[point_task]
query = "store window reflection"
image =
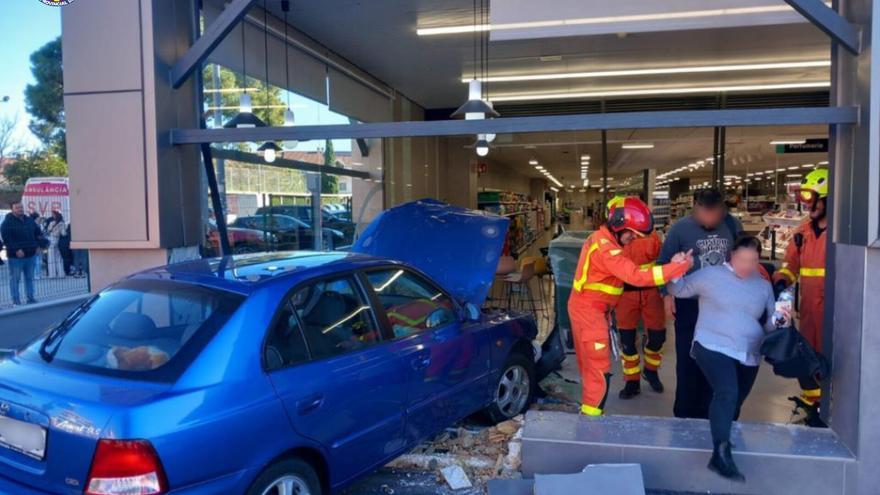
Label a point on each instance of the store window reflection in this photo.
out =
(270, 206)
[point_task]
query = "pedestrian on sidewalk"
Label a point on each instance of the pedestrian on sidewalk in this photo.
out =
(709, 231)
(55, 230)
(22, 237)
(736, 307)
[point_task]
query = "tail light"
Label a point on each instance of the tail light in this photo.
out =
(126, 467)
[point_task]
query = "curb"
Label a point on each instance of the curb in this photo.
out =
(28, 308)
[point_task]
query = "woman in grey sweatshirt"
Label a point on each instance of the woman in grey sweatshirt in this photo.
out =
(736, 308)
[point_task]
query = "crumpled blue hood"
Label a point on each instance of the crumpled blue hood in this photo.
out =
(457, 247)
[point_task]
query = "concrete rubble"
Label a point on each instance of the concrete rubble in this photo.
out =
(481, 454)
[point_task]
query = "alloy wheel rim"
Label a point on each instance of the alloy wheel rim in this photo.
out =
(288, 485)
(513, 391)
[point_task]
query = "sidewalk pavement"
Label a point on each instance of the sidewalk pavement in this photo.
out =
(46, 289)
(21, 325)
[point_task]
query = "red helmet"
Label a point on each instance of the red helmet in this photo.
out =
(631, 214)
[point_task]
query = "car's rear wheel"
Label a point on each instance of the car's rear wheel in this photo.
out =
(287, 477)
(514, 390)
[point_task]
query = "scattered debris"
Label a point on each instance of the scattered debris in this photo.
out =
(620, 479)
(482, 454)
(455, 477)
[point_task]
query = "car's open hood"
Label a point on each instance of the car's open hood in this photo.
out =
(457, 247)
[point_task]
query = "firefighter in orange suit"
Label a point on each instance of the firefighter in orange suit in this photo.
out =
(645, 304)
(601, 271)
(805, 262)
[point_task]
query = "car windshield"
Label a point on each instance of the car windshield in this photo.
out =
(141, 328)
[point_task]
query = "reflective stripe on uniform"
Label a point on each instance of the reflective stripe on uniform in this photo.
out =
(598, 346)
(788, 274)
(812, 272)
(646, 266)
(658, 275)
(651, 360)
(579, 283)
(608, 289)
(631, 358)
(631, 371)
(815, 392)
(615, 252)
(590, 410)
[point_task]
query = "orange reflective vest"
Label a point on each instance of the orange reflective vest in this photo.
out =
(602, 270)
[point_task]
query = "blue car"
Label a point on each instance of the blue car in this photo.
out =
(284, 373)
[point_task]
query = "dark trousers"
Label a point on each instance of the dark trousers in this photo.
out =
(731, 382)
(692, 391)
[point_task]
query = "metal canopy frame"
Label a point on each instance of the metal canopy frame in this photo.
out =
(209, 40)
(583, 122)
(829, 21)
(242, 156)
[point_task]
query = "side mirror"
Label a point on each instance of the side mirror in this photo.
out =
(471, 312)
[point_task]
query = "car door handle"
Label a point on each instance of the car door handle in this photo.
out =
(310, 404)
(421, 362)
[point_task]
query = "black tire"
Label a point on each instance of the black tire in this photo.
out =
(502, 410)
(296, 468)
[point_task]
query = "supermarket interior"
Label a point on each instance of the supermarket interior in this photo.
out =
(549, 183)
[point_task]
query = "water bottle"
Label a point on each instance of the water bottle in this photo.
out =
(785, 303)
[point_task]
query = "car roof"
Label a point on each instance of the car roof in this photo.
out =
(243, 273)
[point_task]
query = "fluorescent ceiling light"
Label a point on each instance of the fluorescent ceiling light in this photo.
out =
(585, 157)
(637, 146)
(793, 168)
(787, 141)
(656, 71)
(533, 162)
(794, 175)
(661, 91)
(539, 167)
(822, 163)
(554, 189)
(662, 16)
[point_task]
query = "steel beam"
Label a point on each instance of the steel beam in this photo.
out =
(829, 21)
(241, 156)
(584, 122)
(208, 41)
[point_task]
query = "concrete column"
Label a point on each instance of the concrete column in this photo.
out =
(134, 197)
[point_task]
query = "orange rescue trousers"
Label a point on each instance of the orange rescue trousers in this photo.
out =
(645, 305)
(594, 359)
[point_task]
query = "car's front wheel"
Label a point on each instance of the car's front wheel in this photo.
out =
(287, 477)
(514, 390)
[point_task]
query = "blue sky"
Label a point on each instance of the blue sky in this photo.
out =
(26, 26)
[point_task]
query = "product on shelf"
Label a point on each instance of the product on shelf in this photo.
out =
(783, 224)
(527, 217)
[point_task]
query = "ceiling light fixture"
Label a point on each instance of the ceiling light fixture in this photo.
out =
(533, 161)
(637, 146)
(663, 91)
(245, 117)
(269, 149)
(787, 141)
(475, 108)
(289, 117)
(482, 146)
(658, 71)
(663, 16)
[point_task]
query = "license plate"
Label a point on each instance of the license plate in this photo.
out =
(26, 438)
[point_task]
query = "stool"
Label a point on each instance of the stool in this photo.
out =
(506, 266)
(521, 280)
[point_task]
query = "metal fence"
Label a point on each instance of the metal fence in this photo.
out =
(74, 280)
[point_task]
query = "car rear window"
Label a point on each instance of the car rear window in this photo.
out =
(142, 328)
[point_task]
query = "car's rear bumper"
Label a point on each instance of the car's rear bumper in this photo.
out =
(232, 483)
(10, 487)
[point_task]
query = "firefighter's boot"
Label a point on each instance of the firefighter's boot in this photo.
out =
(653, 379)
(630, 390)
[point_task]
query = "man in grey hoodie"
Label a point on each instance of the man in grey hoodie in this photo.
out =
(709, 231)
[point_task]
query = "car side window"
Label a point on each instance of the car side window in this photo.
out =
(411, 303)
(285, 344)
(335, 317)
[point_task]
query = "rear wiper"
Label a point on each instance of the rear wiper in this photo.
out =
(56, 335)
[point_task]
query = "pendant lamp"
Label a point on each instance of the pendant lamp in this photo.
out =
(269, 149)
(245, 116)
(289, 117)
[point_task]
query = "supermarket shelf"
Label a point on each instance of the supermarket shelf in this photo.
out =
(526, 246)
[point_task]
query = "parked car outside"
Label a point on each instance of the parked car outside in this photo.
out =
(275, 373)
(305, 213)
(241, 240)
(291, 233)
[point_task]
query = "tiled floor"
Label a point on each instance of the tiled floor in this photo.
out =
(766, 403)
